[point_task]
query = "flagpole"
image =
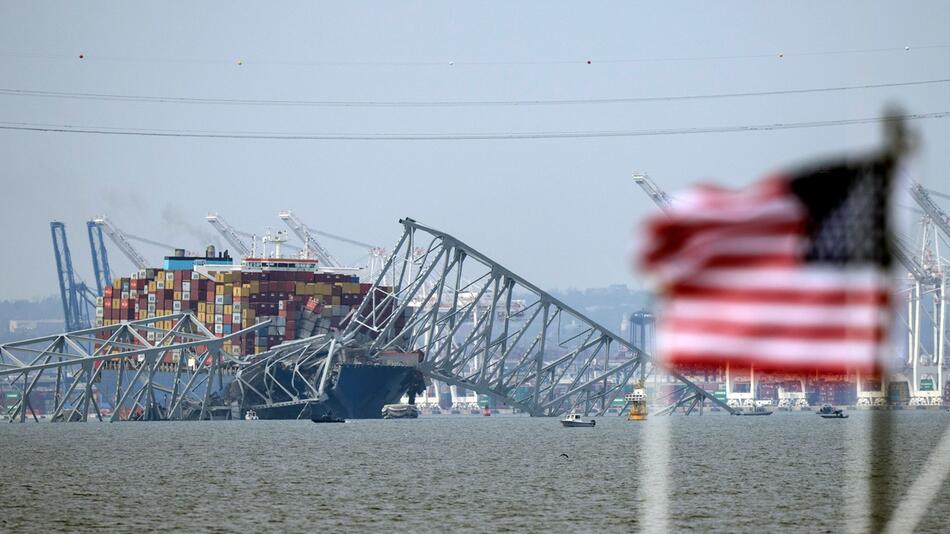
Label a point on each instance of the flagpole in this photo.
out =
(880, 480)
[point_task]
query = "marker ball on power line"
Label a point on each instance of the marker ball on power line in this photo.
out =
(451, 63)
(240, 63)
(588, 62)
(82, 56)
(781, 55)
(906, 48)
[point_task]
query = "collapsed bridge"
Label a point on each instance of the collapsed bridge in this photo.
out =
(474, 323)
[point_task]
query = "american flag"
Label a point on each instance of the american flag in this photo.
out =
(789, 274)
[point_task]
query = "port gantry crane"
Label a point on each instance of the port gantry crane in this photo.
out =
(659, 196)
(230, 234)
(121, 240)
(312, 247)
(100, 257)
(77, 298)
(377, 254)
(934, 221)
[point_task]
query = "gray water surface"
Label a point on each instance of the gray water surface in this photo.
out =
(441, 473)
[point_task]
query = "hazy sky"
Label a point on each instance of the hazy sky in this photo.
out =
(558, 211)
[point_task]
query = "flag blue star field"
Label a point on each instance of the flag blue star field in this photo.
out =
(791, 273)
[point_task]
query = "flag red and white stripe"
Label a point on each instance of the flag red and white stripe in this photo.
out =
(737, 288)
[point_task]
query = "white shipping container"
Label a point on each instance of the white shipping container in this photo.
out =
(99, 311)
(219, 319)
(218, 328)
(176, 306)
(219, 299)
(186, 295)
(160, 284)
(236, 318)
(151, 298)
(186, 286)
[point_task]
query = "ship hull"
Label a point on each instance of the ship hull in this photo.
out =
(360, 392)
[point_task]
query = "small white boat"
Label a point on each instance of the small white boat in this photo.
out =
(575, 420)
(251, 415)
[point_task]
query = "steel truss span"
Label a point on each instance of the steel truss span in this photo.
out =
(85, 370)
(482, 327)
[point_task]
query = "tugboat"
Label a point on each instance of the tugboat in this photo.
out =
(828, 412)
(574, 420)
(326, 417)
(638, 403)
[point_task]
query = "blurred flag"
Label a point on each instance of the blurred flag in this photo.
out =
(791, 273)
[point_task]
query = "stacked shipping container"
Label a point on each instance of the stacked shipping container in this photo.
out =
(298, 303)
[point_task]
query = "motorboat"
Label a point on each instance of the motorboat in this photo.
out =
(575, 420)
(829, 412)
(326, 417)
(757, 410)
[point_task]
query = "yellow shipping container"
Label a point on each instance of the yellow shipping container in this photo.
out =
(336, 301)
(219, 290)
(117, 284)
(176, 295)
(227, 309)
(116, 304)
(255, 287)
(323, 288)
(236, 291)
(350, 287)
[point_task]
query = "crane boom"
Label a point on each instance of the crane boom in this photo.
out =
(229, 233)
(314, 248)
(660, 198)
(937, 215)
(121, 241)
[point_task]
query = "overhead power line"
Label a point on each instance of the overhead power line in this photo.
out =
(240, 62)
(100, 130)
(448, 103)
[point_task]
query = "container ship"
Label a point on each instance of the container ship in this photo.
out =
(298, 298)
